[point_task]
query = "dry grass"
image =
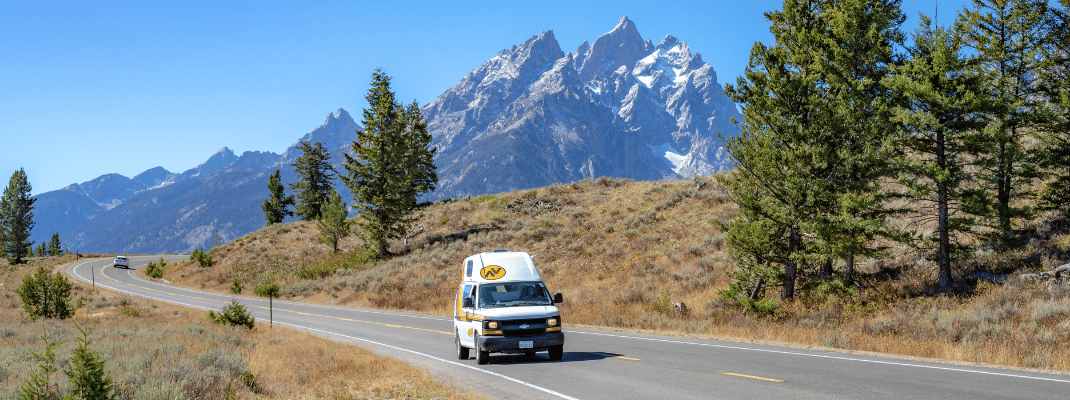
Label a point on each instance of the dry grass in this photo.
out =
(623, 251)
(160, 351)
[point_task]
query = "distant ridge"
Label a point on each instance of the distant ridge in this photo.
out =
(158, 211)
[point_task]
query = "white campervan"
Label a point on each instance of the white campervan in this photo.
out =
(504, 307)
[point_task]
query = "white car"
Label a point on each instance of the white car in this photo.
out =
(120, 261)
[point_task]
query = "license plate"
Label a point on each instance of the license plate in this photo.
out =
(526, 344)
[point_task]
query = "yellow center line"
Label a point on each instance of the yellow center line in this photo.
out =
(294, 312)
(753, 377)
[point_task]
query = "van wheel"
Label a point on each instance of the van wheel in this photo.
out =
(556, 352)
(462, 352)
(482, 356)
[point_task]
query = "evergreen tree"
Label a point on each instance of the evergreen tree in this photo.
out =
(46, 295)
(943, 115)
(16, 217)
(784, 169)
(88, 379)
(277, 206)
(40, 250)
(1008, 37)
(392, 167)
(1054, 79)
(54, 246)
(857, 51)
(332, 224)
(42, 384)
(316, 173)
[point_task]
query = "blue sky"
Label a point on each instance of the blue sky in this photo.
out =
(96, 87)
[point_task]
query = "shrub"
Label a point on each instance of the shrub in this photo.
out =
(250, 382)
(46, 295)
(130, 312)
(236, 286)
(203, 258)
(233, 314)
(154, 270)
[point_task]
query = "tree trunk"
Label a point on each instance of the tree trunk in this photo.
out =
(849, 270)
(787, 291)
(826, 268)
(943, 253)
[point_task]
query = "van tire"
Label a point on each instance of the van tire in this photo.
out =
(482, 356)
(462, 352)
(556, 352)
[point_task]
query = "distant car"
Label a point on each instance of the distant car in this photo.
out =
(121, 261)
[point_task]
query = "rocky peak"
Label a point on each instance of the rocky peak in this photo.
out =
(216, 162)
(622, 46)
(338, 117)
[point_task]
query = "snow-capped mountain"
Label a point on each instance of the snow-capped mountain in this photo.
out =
(624, 107)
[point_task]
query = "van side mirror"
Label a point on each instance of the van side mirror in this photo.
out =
(558, 298)
(467, 303)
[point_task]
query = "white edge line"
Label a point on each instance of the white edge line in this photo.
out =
(533, 386)
(826, 356)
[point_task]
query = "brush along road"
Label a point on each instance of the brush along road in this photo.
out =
(603, 364)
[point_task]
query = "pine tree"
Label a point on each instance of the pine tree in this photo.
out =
(314, 184)
(856, 54)
(783, 166)
(54, 246)
(40, 250)
(392, 167)
(1054, 79)
(16, 210)
(88, 379)
(277, 206)
(332, 224)
(42, 384)
(1008, 36)
(46, 295)
(943, 114)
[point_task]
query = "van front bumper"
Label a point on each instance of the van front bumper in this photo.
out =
(538, 342)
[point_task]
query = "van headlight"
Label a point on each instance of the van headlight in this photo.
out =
(553, 324)
(491, 328)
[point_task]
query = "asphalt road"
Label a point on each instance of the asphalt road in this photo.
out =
(603, 364)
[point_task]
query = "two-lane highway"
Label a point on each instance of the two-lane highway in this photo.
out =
(600, 364)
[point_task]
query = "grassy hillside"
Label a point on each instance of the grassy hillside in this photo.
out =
(623, 252)
(155, 350)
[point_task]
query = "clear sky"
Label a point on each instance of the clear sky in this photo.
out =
(96, 87)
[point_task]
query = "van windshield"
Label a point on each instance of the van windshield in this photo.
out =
(511, 294)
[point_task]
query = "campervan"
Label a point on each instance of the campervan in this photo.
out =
(503, 306)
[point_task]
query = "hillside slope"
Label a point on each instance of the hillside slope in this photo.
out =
(624, 252)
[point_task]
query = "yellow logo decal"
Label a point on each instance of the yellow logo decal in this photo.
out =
(492, 272)
(470, 331)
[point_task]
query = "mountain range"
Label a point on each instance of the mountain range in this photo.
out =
(530, 116)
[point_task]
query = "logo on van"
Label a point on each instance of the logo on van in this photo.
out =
(492, 272)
